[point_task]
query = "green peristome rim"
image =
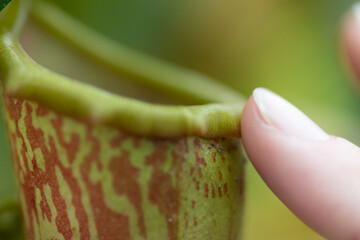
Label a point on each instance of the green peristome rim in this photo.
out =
(23, 78)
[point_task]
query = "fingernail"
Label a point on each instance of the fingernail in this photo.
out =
(279, 113)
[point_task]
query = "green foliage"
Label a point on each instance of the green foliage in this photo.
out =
(4, 3)
(10, 219)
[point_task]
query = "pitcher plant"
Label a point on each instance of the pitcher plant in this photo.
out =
(159, 161)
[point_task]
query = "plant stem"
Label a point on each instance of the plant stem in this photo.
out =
(183, 84)
(14, 16)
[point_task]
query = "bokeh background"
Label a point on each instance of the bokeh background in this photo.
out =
(289, 46)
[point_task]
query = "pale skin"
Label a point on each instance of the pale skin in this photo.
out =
(316, 175)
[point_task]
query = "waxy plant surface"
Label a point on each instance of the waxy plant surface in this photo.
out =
(89, 181)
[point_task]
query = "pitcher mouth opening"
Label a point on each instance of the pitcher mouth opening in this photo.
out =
(216, 112)
(59, 57)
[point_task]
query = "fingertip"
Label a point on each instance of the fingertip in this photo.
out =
(350, 41)
(317, 176)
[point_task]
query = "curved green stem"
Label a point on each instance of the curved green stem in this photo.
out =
(178, 82)
(14, 16)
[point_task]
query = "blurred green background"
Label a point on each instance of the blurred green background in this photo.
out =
(288, 46)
